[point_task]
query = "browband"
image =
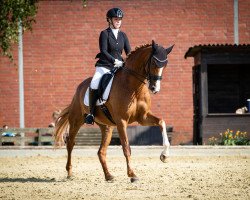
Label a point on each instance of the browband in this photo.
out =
(159, 59)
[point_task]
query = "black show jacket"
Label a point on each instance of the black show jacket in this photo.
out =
(111, 48)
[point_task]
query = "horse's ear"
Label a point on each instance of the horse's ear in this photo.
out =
(169, 49)
(153, 45)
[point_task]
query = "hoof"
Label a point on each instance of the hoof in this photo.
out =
(69, 177)
(164, 158)
(110, 178)
(134, 179)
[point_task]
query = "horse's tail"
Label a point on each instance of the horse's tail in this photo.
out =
(62, 123)
(61, 127)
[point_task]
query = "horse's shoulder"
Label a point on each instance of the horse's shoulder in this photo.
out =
(143, 94)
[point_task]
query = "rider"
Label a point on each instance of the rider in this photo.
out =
(112, 41)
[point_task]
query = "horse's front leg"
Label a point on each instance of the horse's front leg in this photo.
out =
(151, 120)
(106, 138)
(121, 127)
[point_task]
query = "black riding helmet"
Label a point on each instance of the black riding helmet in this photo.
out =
(114, 12)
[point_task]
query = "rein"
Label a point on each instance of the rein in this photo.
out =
(135, 74)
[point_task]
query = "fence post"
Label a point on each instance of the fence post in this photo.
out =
(1, 132)
(22, 143)
(40, 133)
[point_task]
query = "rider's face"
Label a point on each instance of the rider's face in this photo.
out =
(117, 22)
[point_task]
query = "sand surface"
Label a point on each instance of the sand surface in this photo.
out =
(186, 176)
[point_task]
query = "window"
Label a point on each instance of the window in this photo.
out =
(228, 87)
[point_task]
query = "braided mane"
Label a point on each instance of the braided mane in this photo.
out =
(138, 48)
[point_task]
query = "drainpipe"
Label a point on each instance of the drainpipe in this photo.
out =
(20, 73)
(236, 23)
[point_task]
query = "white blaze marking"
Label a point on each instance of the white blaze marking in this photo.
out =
(158, 82)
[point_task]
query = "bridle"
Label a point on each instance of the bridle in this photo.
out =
(152, 77)
(149, 77)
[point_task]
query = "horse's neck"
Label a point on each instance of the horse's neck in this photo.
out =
(135, 77)
(138, 61)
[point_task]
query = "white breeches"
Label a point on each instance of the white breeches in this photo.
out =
(99, 71)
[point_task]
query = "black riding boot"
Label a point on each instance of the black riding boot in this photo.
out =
(93, 96)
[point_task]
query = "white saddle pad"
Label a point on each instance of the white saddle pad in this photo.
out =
(104, 96)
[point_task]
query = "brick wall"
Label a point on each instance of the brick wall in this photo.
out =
(60, 53)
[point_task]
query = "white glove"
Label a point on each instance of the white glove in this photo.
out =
(118, 63)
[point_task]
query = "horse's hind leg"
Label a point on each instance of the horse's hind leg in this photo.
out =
(70, 142)
(106, 138)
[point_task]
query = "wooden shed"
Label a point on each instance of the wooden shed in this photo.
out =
(221, 85)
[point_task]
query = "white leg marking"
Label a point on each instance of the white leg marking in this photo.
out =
(166, 143)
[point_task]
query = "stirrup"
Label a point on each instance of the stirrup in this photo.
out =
(89, 119)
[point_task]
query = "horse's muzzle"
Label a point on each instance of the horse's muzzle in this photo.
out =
(154, 89)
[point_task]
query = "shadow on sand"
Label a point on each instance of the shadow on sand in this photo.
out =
(25, 180)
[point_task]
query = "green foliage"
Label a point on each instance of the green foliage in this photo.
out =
(11, 11)
(230, 138)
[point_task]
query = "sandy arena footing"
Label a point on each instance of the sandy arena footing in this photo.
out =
(192, 172)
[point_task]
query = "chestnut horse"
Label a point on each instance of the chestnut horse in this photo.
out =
(129, 101)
